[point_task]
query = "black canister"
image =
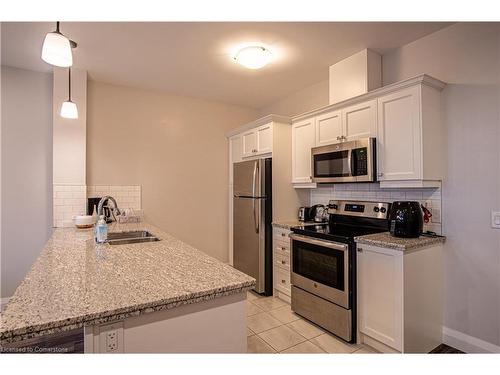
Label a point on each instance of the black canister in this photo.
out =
(406, 219)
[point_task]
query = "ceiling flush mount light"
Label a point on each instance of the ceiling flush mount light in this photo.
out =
(56, 49)
(68, 108)
(253, 57)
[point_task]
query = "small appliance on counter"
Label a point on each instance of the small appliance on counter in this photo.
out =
(93, 203)
(406, 219)
(305, 214)
(319, 213)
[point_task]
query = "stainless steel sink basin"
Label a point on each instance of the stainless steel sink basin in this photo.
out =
(136, 236)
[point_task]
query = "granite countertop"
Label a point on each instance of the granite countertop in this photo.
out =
(75, 283)
(294, 223)
(385, 239)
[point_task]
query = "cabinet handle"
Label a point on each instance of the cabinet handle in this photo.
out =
(360, 249)
(380, 174)
(338, 138)
(283, 262)
(283, 281)
(282, 234)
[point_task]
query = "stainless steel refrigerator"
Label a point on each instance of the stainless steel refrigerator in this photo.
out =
(252, 216)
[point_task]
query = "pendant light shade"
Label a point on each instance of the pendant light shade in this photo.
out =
(69, 109)
(56, 49)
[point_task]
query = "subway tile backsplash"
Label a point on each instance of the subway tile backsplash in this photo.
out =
(429, 197)
(127, 196)
(71, 200)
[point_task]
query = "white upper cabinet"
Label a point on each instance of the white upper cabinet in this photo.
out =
(328, 128)
(303, 139)
(359, 121)
(410, 137)
(235, 145)
(249, 143)
(348, 124)
(400, 136)
(258, 141)
(264, 139)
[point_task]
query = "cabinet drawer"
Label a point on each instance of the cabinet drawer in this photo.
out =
(282, 261)
(281, 234)
(282, 248)
(282, 280)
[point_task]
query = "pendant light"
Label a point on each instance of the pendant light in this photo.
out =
(56, 49)
(68, 108)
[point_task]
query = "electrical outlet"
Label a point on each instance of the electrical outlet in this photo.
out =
(111, 338)
(436, 215)
(111, 341)
(495, 219)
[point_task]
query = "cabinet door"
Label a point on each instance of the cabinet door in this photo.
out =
(399, 136)
(249, 143)
(235, 147)
(235, 154)
(303, 136)
(265, 139)
(328, 128)
(360, 121)
(380, 294)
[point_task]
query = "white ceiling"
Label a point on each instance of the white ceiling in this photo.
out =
(194, 59)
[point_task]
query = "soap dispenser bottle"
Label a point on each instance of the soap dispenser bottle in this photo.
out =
(101, 230)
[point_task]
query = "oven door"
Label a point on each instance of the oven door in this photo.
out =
(321, 267)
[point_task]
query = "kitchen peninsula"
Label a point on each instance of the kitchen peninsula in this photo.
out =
(156, 297)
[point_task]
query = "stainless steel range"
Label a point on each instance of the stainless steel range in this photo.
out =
(323, 264)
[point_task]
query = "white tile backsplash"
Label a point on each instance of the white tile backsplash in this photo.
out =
(429, 197)
(71, 200)
(68, 201)
(127, 196)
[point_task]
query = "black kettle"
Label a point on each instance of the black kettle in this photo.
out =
(406, 219)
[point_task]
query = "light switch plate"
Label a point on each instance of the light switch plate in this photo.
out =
(495, 219)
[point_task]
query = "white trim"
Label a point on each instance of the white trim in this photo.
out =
(466, 343)
(423, 79)
(403, 184)
(261, 121)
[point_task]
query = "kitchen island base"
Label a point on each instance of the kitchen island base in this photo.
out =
(213, 326)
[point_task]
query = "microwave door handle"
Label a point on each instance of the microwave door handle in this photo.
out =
(349, 162)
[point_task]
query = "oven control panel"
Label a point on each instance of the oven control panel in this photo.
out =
(377, 210)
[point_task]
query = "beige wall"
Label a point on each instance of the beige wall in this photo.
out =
(307, 99)
(26, 155)
(176, 148)
(69, 145)
(467, 57)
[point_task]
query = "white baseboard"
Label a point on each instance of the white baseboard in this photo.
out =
(466, 343)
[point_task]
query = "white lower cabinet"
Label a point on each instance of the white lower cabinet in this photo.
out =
(399, 298)
(380, 294)
(281, 260)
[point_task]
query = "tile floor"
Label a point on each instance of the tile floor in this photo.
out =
(272, 327)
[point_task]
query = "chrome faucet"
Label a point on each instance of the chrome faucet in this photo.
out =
(104, 200)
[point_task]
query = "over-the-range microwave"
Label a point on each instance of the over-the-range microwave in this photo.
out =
(353, 161)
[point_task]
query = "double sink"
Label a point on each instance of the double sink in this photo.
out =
(135, 236)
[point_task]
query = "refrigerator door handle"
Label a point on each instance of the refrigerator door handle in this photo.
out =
(254, 182)
(254, 188)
